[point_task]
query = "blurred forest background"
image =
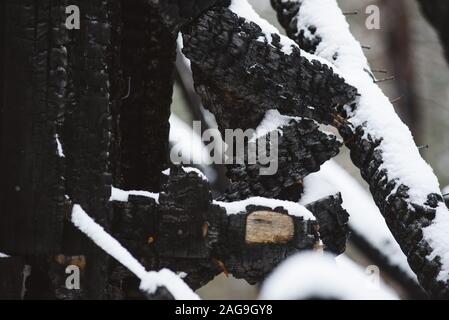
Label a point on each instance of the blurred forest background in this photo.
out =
(407, 47)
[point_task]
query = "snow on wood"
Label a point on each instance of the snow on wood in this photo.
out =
(293, 208)
(59, 146)
(403, 184)
(122, 195)
(150, 280)
(313, 275)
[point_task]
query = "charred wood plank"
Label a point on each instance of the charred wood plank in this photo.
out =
(33, 83)
(148, 60)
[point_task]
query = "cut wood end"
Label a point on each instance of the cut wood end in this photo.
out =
(269, 227)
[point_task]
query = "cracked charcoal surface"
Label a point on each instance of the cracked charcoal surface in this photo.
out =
(436, 12)
(239, 78)
(404, 218)
(144, 113)
(333, 222)
(33, 77)
(302, 149)
(87, 137)
(287, 12)
(176, 13)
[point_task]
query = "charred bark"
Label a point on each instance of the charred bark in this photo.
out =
(87, 138)
(13, 273)
(148, 61)
(239, 78)
(333, 222)
(176, 13)
(302, 148)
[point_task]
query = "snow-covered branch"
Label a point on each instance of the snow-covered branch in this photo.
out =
(369, 232)
(403, 185)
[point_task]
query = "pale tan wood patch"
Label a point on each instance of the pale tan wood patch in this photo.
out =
(269, 227)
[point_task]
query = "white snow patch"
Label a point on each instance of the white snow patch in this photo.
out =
(178, 288)
(2, 255)
(122, 195)
(192, 148)
(364, 216)
(402, 159)
(189, 169)
(272, 121)
(293, 208)
(313, 275)
(59, 147)
(150, 280)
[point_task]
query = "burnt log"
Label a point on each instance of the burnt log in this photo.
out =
(239, 76)
(189, 232)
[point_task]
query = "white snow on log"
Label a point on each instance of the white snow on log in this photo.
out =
(293, 208)
(150, 280)
(122, 195)
(59, 147)
(197, 171)
(243, 9)
(401, 156)
(2, 255)
(187, 170)
(364, 216)
(314, 275)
